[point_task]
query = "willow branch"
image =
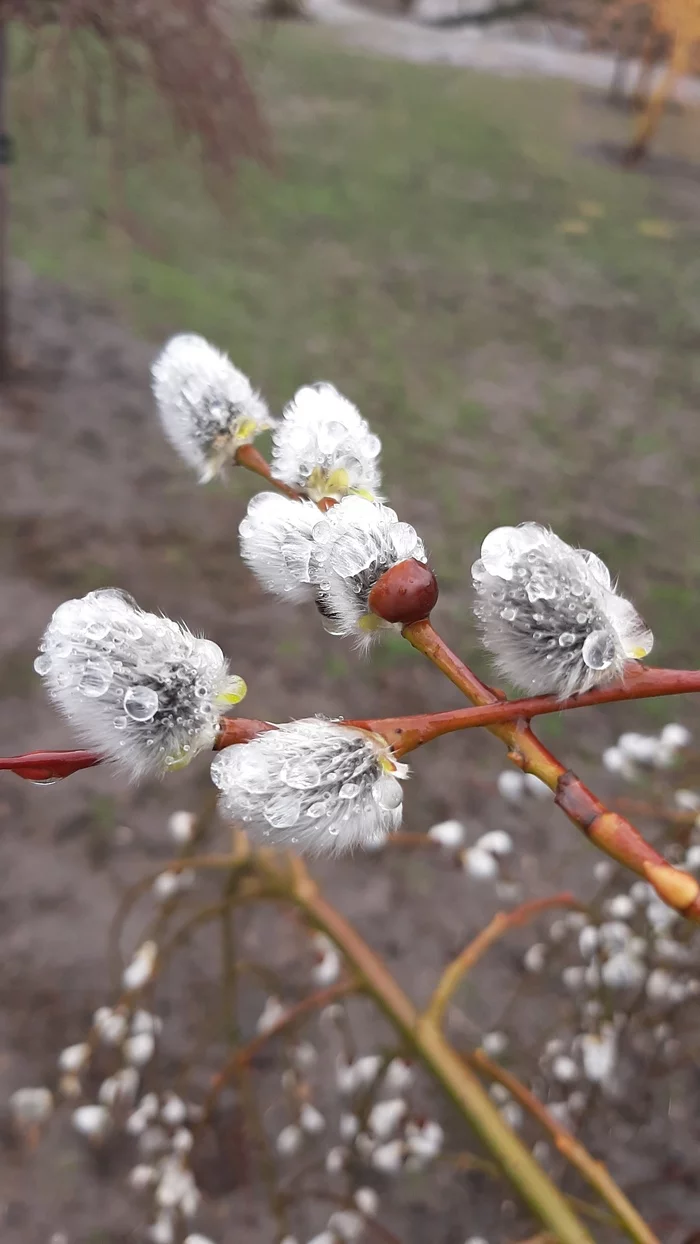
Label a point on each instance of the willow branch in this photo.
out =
(595, 1173)
(249, 457)
(461, 1085)
(607, 830)
(463, 963)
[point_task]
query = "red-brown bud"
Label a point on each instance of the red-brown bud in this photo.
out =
(406, 593)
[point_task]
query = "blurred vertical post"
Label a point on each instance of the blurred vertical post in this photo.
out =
(4, 206)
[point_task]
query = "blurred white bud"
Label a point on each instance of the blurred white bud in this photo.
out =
(367, 1200)
(659, 984)
(311, 1119)
(347, 1224)
(535, 957)
(447, 833)
(142, 690)
(325, 1237)
(140, 971)
(146, 1021)
(676, 736)
(110, 1025)
(574, 977)
(173, 881)
(558, 931)
(639, 748)
(173, 1111)
(183, 1140)
(289, 1140)
(603, 870)
(385, 1116)
(270, 1016)
(162, 1230)
(481, 865)
(181, 826)
(92, 1121)
(511, 785)
(692, 858)
(121, 1087)
(550, 613)
(74, 1057)
(139, 1050)
(389, 1157)
(588, 941)
(327, 970)
(316, 785)
(424, 1140)
(304, 1056)
(31, 1107)
(494, 1044)
(599, 1054)
(623, 971)
(499, 1093)
(348, 1126)
(142, 1176)
(207, 407)
(324, 448)
(204, 1239)
(687, 800)
(399, 1075)
(177, 1188)
(497, 841)
(621, 907)
(565, 1069)
(366, 1069)
(336, 1159)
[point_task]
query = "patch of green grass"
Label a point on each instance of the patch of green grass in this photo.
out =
(409, 249)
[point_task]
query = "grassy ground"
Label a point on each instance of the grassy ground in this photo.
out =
(415, 247)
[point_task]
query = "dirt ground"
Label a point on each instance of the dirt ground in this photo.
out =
(91, 495)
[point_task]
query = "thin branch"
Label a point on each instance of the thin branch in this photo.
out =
(526, 1175)
(595, 1173)
(501, 924)
(607, 830)
(246, 1053)
(249, 457)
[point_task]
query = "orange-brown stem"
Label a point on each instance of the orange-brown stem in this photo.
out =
(501, 923)
(595, 1173)
(249, 457)
(607, 830)
(639, 683)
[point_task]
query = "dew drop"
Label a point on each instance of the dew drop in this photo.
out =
(598, 650)
(387, 792)
(96, 678)
(509, 614)
(119, 723)
(43, 664)
(301, 775)
(349, 790)
(141, 703)
(566, 639)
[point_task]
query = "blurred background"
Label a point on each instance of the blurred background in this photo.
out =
(439, 208)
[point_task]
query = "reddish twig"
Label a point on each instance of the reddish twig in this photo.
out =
(607, 830)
